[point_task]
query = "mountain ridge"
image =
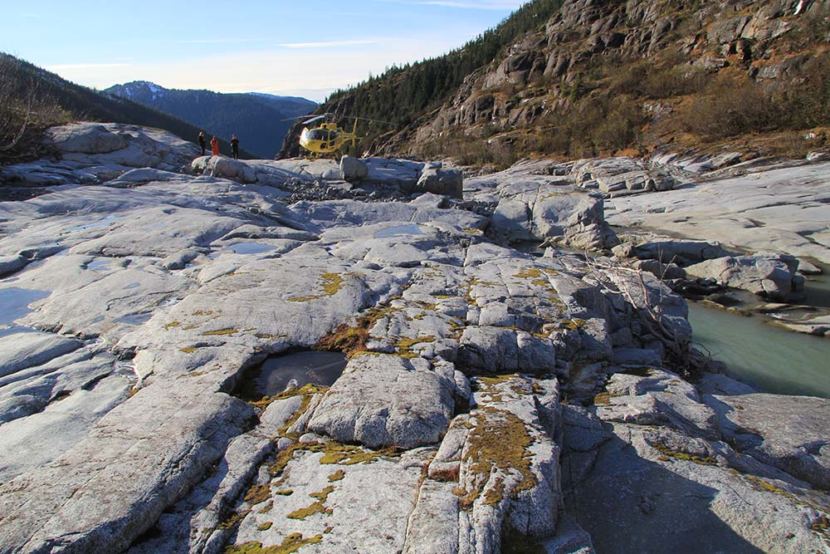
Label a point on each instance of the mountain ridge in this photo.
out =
(259, 119)
(53, 100)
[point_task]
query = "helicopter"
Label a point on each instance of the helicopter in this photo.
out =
(327, 137)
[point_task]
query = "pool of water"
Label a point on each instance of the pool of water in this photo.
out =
(277, 372)
(408, 230)
(99, 264)
(251, 248)
(101, 223)
(772, 359)
(14, 303)
(135, 319)
(817, 289)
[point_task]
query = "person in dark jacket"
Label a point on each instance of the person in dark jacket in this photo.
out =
(235, 146)
(202, 141)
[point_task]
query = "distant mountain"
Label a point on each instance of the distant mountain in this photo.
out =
(51, 100)
(258, 119)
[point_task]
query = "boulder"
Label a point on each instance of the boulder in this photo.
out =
(383, 400)
(448, 182)
(227, 168)
(620, 176)
(86, 138)
(353, 169)
(679, 251)
(666, 271)
(772, 276)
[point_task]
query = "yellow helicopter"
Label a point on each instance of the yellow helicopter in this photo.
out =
(327, 138)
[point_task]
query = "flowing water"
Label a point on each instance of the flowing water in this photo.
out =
(772, 359)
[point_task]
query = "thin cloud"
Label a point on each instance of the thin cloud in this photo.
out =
(328, 44)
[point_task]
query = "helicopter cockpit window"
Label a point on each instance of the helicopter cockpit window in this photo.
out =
(317, 134)
(332, 135)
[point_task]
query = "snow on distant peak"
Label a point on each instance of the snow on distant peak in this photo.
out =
(140, 88)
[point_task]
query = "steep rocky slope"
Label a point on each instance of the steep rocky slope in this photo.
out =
(491, 398)
(602, 77)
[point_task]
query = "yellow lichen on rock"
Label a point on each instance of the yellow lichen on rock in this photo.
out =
(220, 332)
(258, 494)
(318, 507)
(498, 441)
(331, 283)
(405, 344)
(292, 543)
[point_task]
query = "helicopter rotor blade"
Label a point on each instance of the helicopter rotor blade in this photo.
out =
(298, 117)
(313, 119)
(312, 115)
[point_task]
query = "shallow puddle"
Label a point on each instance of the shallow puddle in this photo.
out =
(277, 372)
(14, 303)
(251, 248)
(99, 224)
(772, 359)
(135, 319)
(408, 230)
(99, 264)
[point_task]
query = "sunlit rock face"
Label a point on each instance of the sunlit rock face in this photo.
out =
(487, 396)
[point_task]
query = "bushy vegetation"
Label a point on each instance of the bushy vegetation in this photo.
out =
(25, 110)
(731, 105)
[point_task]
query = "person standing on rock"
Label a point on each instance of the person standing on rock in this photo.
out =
(235, 146)
(214, 146)
(202, 141)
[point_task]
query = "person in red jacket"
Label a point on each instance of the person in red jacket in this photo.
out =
(214, 146)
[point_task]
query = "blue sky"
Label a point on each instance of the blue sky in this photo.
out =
(307, 48)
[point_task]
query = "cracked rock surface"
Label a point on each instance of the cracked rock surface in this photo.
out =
(491, 397)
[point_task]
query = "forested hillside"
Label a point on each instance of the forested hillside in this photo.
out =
(581, 78)
(400, 95)
(32, 99)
